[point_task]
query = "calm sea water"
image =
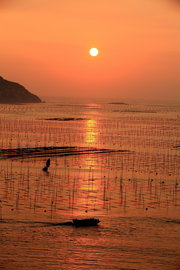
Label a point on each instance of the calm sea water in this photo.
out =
(120, 163)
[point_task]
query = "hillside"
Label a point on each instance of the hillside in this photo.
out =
(11, 92)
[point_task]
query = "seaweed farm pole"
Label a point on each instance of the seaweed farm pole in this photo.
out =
(1, 210)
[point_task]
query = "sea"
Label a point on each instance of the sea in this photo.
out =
(118, 162)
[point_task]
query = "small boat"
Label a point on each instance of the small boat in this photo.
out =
(85, 222)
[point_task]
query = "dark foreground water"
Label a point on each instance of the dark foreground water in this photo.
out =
(119, 243)
(116, 162)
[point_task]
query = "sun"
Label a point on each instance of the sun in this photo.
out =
(93, 52)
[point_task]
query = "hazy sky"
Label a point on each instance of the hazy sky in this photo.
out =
(44, 46)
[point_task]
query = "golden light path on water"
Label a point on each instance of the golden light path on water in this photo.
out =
(91, 129)
(89, 185)
(91, 132)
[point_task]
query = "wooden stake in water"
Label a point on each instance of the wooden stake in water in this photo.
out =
(1, 210)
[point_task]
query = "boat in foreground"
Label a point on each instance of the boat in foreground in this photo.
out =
(85, 222)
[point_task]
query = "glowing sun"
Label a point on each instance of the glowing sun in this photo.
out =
(93, 52)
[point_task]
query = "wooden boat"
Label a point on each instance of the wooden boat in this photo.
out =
(85, 222)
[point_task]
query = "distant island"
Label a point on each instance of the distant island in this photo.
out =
(118, 103)
(11, 92)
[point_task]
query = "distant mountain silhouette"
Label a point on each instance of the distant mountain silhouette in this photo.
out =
(11, 92)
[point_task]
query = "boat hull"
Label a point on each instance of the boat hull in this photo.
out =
(86, 222)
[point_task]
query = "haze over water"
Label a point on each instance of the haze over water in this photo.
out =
(115, 162)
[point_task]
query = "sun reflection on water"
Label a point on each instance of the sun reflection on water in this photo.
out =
(91, 132)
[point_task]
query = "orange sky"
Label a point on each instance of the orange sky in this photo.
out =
(44, 46)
